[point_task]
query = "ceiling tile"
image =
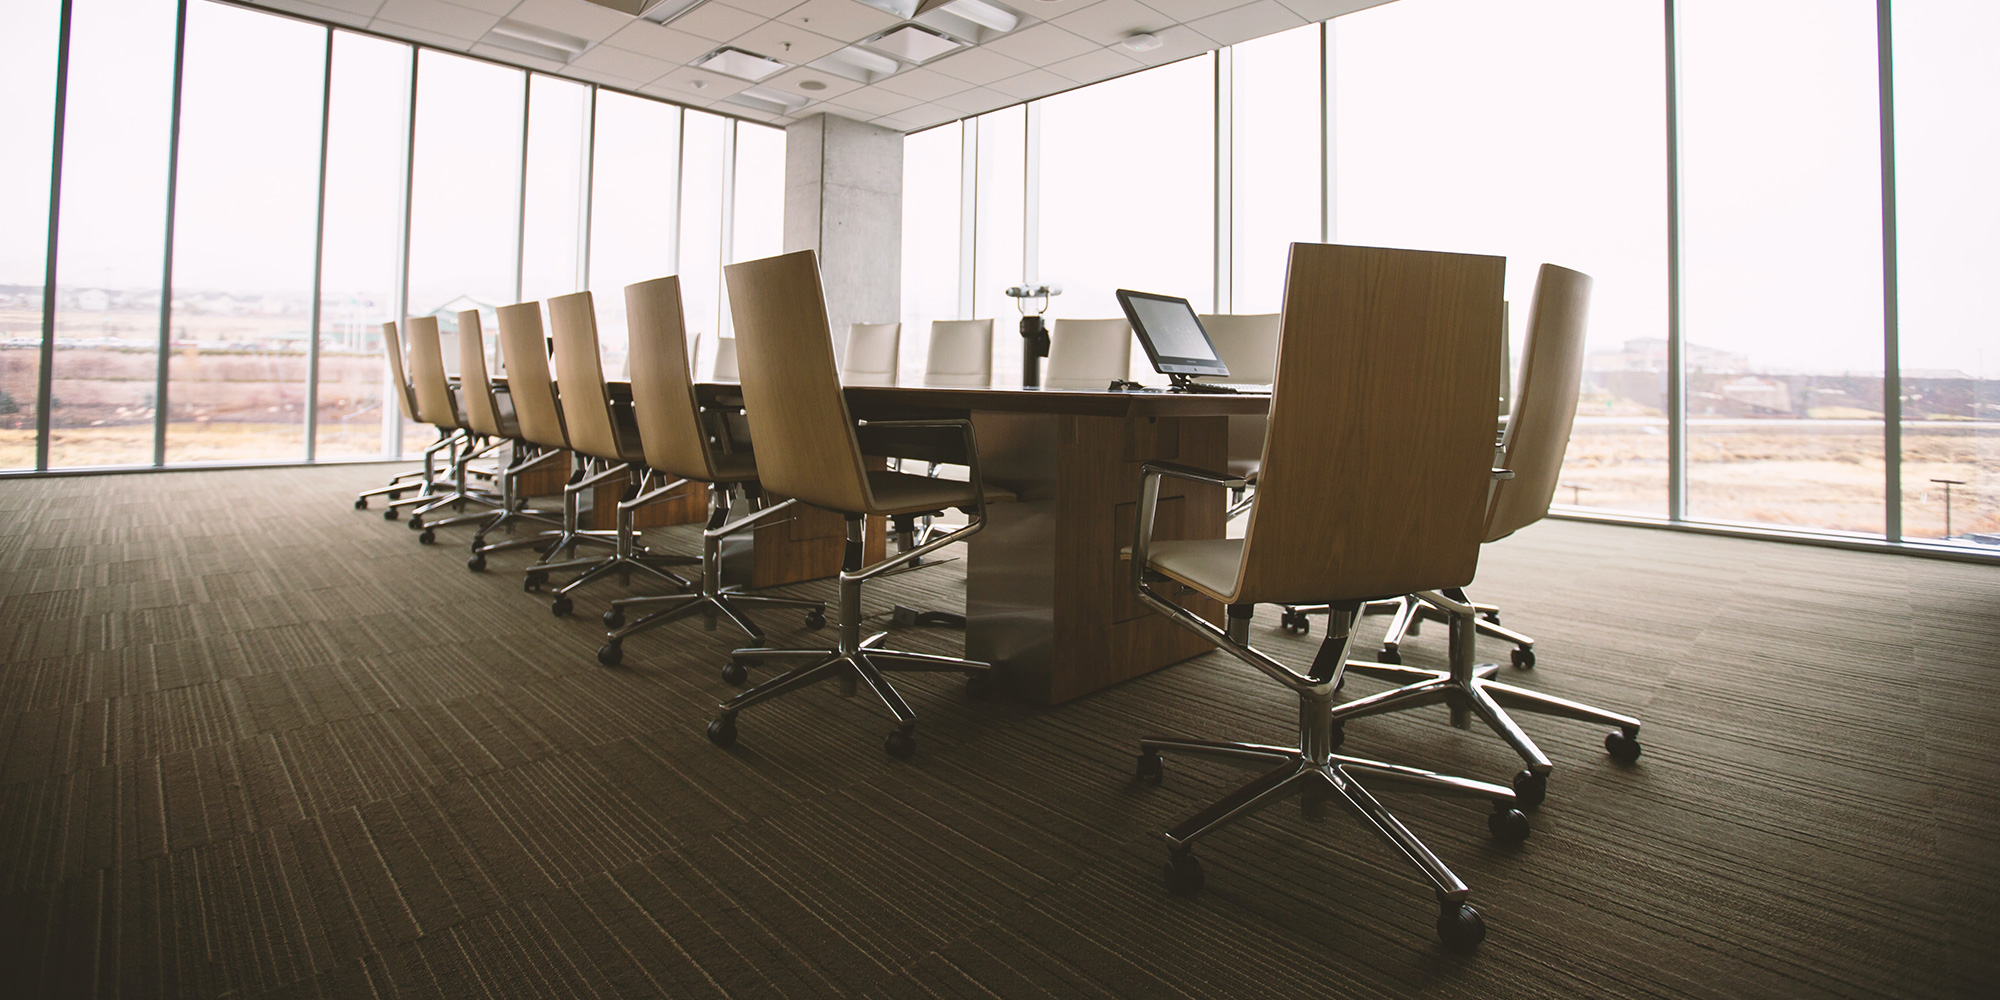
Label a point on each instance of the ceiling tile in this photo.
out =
(785, 43)
(368, 7)
(572, 17)
(833, 86)
(842, 110)
(513, 58)
(489, 6)
(980, 65)
(768, 8)
(1189, 10)
(589, 75)
(647, 38)
(436, 15)
(717, 21)
(1177, 42)
(1320, 10)
(976, 100)
(681, 84)
(1032, 84)
(924, 84)
(921, 116)
(848, 20)
(1111, 20)
(1039, 46)
(1252, 20)
(1094, 66)
(622, 63)
(1049, 10)
(876, 101)
(422, 36)
(340, 13)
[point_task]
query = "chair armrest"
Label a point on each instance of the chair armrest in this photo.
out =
(1190, 472)
(967, 452)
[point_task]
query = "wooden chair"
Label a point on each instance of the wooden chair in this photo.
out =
(605, 439)
(870, 358)
(438, 404)
(1374, 482)
(1537, 434)
(490, 413)
(1088, 353)
(960, 353)
(1248, 344)
(426, 477)
(678, 444)
(807, 450)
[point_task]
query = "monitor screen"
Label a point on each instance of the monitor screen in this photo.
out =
(1172, 335)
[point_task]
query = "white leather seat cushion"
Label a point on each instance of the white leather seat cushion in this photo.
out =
(1208, 565)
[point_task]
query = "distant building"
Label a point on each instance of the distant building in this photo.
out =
(1649, 354)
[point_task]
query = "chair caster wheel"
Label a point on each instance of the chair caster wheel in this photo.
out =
(1336, 736)
(395, 495)
(1460, 927)
(1524, 658)
(611, 653)
(979, 685)
(477, 563)
(560, 607)
(532, 583)
(722, 732)
(1530, 789)
(1152, 768)
(389, 515)
(1389, 655)
(735, 673)
(360, 503)
(1183, 874)
(429, 537)
(1294, 623)
(900, 744)
(1624, 746)
(816, 619)
(1492, 617)
(478, 542)
(415, 523)
(614, 618)
(1507, 824)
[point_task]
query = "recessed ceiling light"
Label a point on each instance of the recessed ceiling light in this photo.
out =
(740, 64)
(812, 84)
(984, 14)
(914, 44)
(535, 40)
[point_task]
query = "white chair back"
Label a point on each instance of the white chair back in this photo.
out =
(871, 354)
(960, 354)
(1247, 343)
(1088, 353)
(725, 359)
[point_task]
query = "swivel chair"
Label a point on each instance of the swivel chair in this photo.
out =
(870, 358)
(1088, 353)
(960, 353)
(1375, 475)
(426, 476)
(807, 450)
(677, 444)
(438, 404)
(490, 413)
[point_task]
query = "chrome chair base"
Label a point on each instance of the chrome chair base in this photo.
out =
(627, 556)
(1408, 614)
(712, 601)
(1468, 689)
(426, 481)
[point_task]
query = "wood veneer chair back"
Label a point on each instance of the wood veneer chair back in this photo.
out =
(392, 347)
(1545, 407)
(586, 403)
(1375, 473)
(663, 395)
(960, 353)
(526, 354)
(871, 356)
(427, 377)
(475, 389)
(1088, 353)
(791, 386)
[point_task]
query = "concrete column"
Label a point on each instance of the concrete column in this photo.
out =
(844, 199)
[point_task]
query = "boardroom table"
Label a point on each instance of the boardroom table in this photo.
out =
(1048, 598)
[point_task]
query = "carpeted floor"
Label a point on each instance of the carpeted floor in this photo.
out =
(256, 743)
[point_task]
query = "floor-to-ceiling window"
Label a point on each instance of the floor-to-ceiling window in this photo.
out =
(635, 176)
(555, 189)
(999, 207)
(28, 77)
(1276, 190)
(932, 177)
(704, 160)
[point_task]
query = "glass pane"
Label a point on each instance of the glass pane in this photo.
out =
(1947, 210)
(759, 215)
(28, 78)
(1781, 200)
(1534, 130)
(702, 165)
(997, 236)
(113, 231)
(245, 213)
(367, 130)
(1101, 160)
(631, 205)
(558, 156)
(932, 176)
(1275, 164)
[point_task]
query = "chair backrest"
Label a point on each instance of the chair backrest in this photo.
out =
(725, 359)
(586, 403)
(526, 353)
(871, 356)
(1375, 473)
(1088, 353)
(791, 387)
(663, 396)
(1247, 343)
(475, 390)
(961, 353)
(427, 377)
(1545, 408)
(392, 347)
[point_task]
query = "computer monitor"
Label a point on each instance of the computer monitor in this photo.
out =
(1171, 334)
